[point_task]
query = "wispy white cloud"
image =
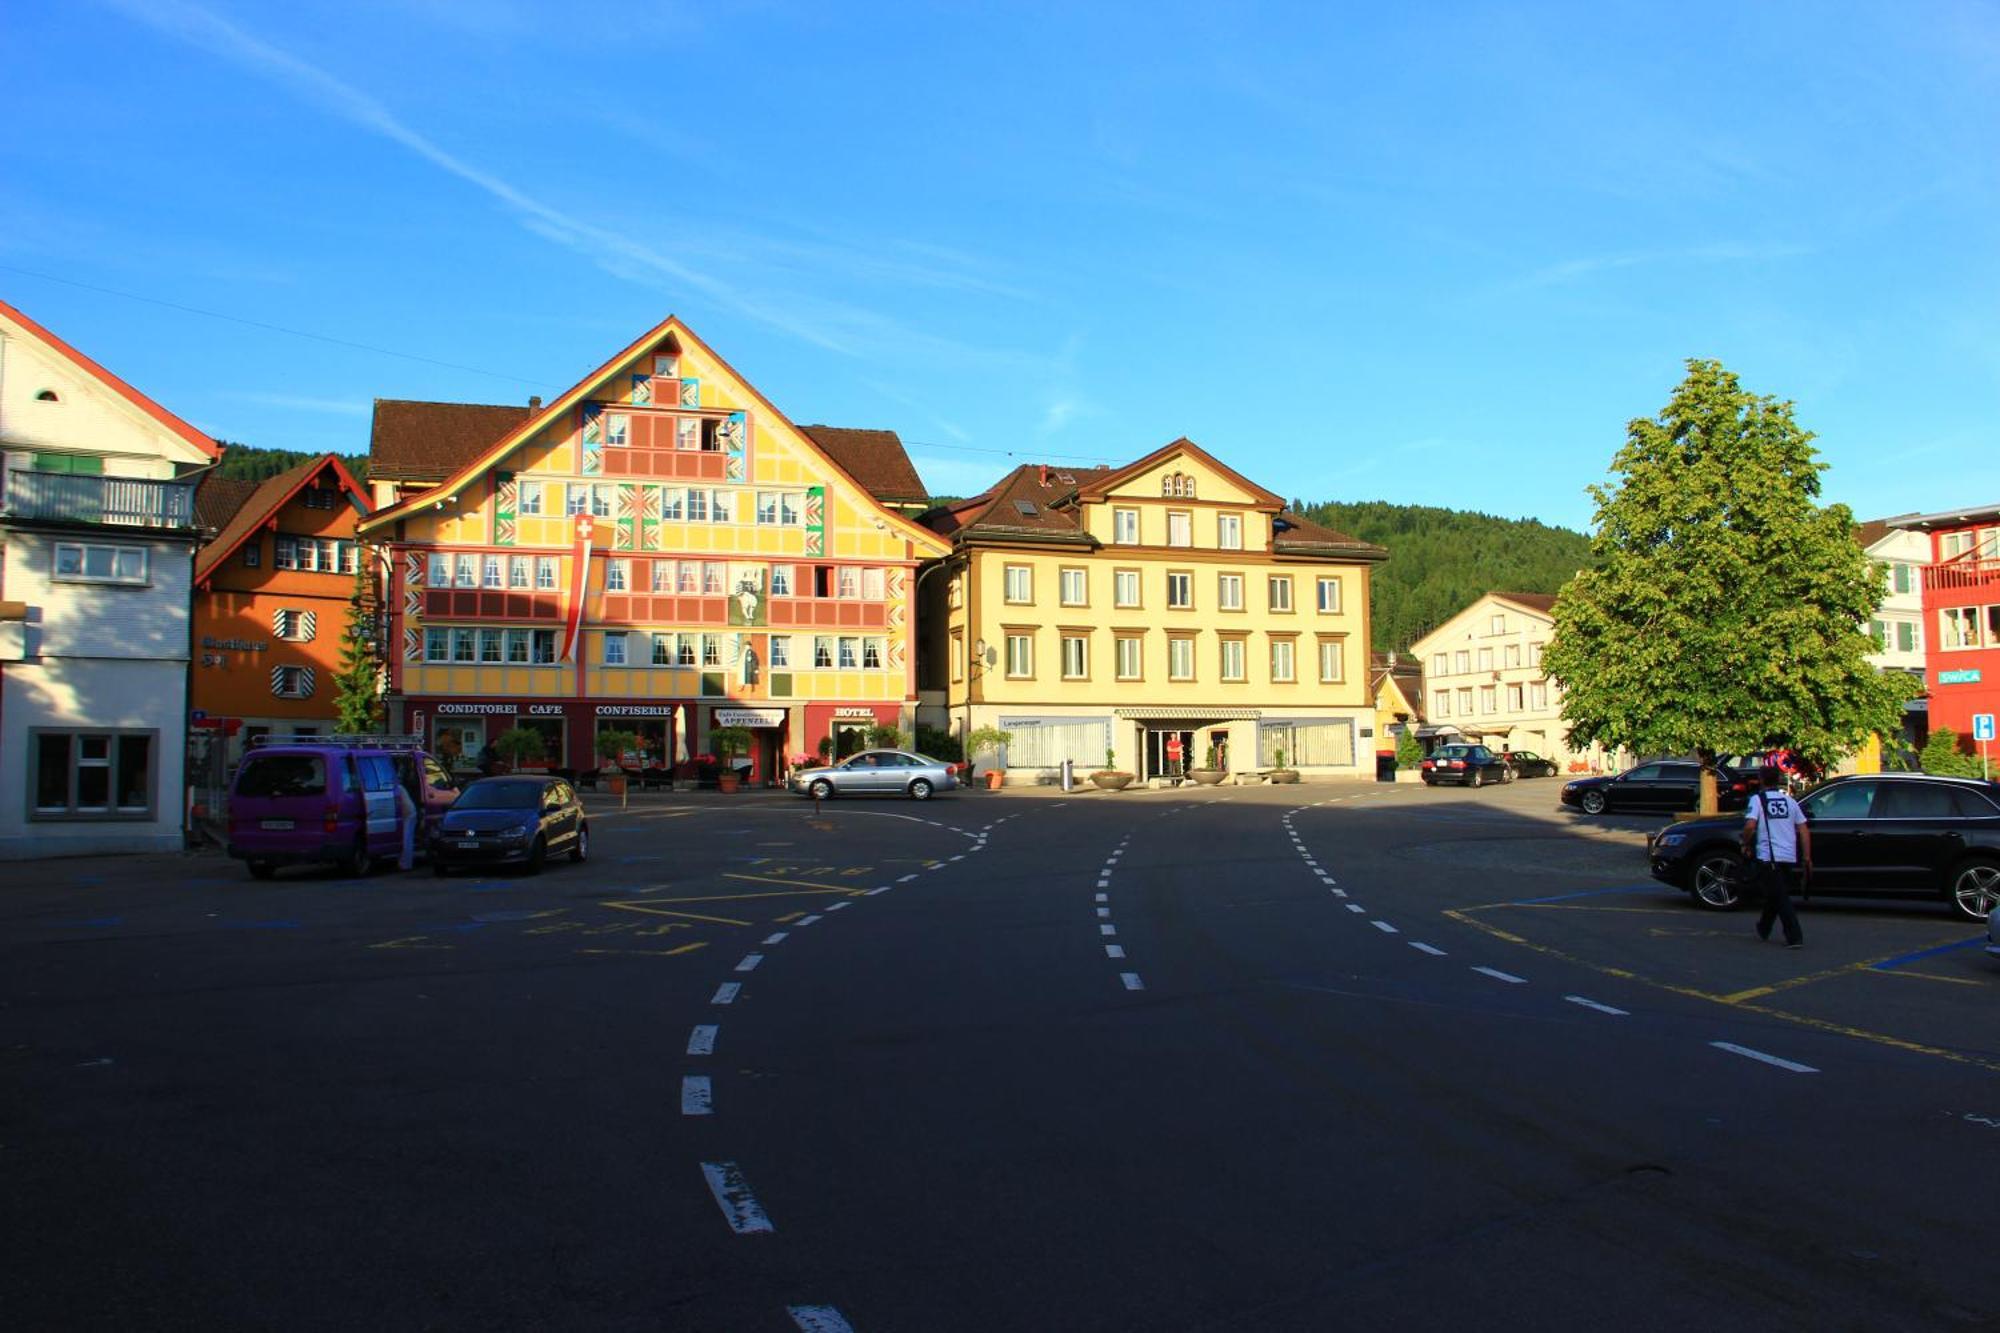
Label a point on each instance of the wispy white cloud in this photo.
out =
(299, 403)
(1570, 271)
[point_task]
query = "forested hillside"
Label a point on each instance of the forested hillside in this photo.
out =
(1440, 559)
(240, 460)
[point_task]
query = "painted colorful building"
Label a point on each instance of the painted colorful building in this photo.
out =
(97, 535)
(1961, 600)
(657, 551)
(272, 590)
(1159, 611)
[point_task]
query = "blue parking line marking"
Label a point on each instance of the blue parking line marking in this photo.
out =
(1890, 963)
(1589, 893)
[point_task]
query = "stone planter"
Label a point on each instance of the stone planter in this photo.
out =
(1208, 777)
(996, 778)
(1284, 775)
(1111, 780)
(1410, 775)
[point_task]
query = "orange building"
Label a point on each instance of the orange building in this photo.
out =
(271, 598)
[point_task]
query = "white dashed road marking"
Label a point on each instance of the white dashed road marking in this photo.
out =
(702, 1040)
(1131, 980)
(1791, 1065)
(818, 1319)
(807, 920)
(1430, 949)
(696, 1096)
(1104, 911)
(1104, 897)
(838, 907)
(732, 1195)
(726, 992)
(750, 961)
(1385, 927)
(1355, 907)
(1600, 1008)
(907, 878)
(1114, 951)
(1498, 975)
(777, 937)
(1107, 930)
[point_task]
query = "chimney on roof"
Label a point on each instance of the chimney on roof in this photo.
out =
(1045, 476)
(534, 402)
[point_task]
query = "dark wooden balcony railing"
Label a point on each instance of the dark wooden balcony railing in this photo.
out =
(134, 502)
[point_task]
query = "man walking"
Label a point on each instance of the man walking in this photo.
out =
(1777, 838)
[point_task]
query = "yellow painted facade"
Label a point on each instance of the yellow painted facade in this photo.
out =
(1165, 612)
(732, 565)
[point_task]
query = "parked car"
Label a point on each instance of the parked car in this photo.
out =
(1884, 834)
(1528, 764)
(1661, 784)
(876, 773)
(1993, 933)
(330, 800)
(520, 820)
(1469, 765)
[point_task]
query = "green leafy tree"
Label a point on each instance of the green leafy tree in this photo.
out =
(1409, 750)
(357, 686)
(1941, 754)
(1725, 609)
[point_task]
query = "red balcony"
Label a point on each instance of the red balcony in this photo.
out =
(1962, 574)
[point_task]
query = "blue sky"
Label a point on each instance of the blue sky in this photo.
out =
(1438, 256)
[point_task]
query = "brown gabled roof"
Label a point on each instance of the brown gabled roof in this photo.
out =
(269, 496)
(999, 511)
(1101, 484)
(1302, 536)
(415, 441)
(1867, 534)
(875, 458)
(217, 499)
(1543, 602)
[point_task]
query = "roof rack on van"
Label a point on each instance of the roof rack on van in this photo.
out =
(339, 742)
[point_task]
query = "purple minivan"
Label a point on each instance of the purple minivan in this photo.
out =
(331, 799)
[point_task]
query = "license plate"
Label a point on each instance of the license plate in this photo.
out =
(468, 843)
(274, 823)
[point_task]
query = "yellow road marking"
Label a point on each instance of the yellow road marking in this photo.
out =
(847, 889)
(651, 910)
(787, 918)
(653, 953)
(1928, 976)
(1581, 907)
(411, 942)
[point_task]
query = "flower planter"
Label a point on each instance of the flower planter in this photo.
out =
(616, 786)
(1208, 777)
(995, 778)
(1110, 780)
(1409, 775)
(1283, 776)
(728, 781)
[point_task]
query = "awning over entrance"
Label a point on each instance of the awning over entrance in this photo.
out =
(1425, 733)
(1174, 713)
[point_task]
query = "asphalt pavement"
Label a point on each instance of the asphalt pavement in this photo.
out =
(1317, 1057)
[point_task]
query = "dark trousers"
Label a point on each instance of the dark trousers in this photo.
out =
(1777, 877)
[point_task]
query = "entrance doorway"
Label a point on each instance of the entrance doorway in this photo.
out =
(1167, 752)
(850, 737)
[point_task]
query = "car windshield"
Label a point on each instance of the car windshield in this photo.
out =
(283, 775)
(500, 796)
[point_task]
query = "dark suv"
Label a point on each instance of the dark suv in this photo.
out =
(1879, 835)
(1472, 765)
(1659, 784)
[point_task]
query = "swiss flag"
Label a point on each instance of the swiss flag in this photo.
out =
(579, 587)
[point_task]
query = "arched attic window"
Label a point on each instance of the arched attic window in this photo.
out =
(47, 396)
(1177, 486)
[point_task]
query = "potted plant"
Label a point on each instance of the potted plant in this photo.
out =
(520, 745)
(612, 747)
(1210, 771)
(882, 737)
(1409, 757)
(729, 742)
(985, 740)
(1281, 773)
(1110, 778)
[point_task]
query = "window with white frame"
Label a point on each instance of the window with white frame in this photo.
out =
(1461, 662)
(1125, 587)
(1229, 531)
(1444, 703)
(440, 570)
(1513, 698)
(545, 646)
(1073, 586)
(614, 649)
(1075, 657)
(92, 774)
(1233, 668)
(849, 582)
(1332, 661)
(871, 654)
(1284, 666)
(1496, 624)
(491, 574)
(1020, 655)
(790, 506)
(437, 644)
(1908, 640)
(1534, 654)
(1485, 659)
(1125, 527)
(1180, 528)
(491, 645)
(1465, 702)
(1019, 585)
(464, 644)
(673, 504)
(850, 652)
(517, 571)
(781, 581)
(822, 651)
(663, 576)
(1510, 655)
(294, 626)
(617, 575)
(1489, 699)
(874, 586)
(697, 508)
(687, 650)
(1439, 665)
(1328, 591)
(1281, 592)
(517, 647)
(1538, 695)
(1229, 592)
(617, 429)
(545, 571)
(600, 501)
(767, 508)
(1958, 627)
(663, 650)
(528, 496)
(781, 652)
(1180, 590)
(1180, 657)
(714, 578)
(1131, 657)
(720, 505)
(465, 571)
(576, 498)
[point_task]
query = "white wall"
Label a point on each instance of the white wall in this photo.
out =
(94, 620)
(87, 418)
(1907, 608)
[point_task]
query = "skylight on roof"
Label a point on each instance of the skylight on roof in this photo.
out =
(1026, 508)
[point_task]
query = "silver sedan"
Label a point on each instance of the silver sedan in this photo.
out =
(876, 773)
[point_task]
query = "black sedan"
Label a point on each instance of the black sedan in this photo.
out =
(1663, 784)
(1528, 764)
(1470, 765)
(517, 820)
(1886, 834)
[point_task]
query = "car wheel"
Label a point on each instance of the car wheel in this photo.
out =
(1429, 781)
(920, 790)
(1716, 881)
(1508, 775)
(1975, 889)
(580, 849)
(1592, 802)
(357, 862)
(537, 854)
(262, 869)
(1477, 778)
(822, 790)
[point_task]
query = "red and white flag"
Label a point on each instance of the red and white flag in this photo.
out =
(579, 588)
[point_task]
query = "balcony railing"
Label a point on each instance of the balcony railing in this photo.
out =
(134, 502)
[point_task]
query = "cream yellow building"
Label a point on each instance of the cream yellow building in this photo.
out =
(1483, 679)
(1156, 611)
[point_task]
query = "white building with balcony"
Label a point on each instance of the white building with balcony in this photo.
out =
(1898, 624)
(97, 539)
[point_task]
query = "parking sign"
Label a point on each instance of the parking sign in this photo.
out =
(1982, 726)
